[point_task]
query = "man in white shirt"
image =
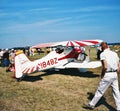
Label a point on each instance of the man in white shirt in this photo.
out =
(110, 67)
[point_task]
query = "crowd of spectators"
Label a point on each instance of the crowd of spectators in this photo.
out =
(7, 57)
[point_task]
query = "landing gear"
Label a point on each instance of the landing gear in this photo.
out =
(81, 57)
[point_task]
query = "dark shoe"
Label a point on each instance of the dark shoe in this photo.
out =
(88, 106)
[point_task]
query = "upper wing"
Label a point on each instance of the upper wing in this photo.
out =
(43, 45)
(81, 43)
(93, 64)
(69, 43)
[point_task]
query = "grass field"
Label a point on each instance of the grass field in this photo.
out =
(65, 90)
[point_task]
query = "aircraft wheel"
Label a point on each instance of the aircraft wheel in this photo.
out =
(81, 57)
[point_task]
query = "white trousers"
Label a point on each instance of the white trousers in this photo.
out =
(110, 78)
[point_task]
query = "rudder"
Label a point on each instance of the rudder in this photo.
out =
(21, 62)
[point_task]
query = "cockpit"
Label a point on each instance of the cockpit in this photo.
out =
(59, 49)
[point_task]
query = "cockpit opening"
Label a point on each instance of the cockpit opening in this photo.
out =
(59, 49)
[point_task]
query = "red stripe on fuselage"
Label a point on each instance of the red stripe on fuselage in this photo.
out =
(32, 70)
(72, 54)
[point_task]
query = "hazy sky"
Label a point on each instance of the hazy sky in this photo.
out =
(29, 22)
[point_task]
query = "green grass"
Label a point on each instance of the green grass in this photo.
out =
(66, 90)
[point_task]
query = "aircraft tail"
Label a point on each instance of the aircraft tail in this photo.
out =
(21, 63)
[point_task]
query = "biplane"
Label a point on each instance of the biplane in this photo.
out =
(66, 54)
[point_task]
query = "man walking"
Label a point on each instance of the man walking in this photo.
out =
(110, 67)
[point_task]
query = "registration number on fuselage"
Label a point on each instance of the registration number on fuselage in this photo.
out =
(48, 63)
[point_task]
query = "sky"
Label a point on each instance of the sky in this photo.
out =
(30, 22)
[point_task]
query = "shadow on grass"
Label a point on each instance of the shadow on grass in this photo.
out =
(32, 78)
(71, 72)
(101, 102)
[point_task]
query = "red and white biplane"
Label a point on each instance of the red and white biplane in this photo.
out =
(65, 55)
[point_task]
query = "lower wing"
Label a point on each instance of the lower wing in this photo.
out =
(92, 64)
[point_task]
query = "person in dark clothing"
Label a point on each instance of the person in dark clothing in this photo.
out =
(6, 60)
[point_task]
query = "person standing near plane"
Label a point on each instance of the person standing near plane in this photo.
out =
(110, 68)
(1, 57)
(6, 60)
